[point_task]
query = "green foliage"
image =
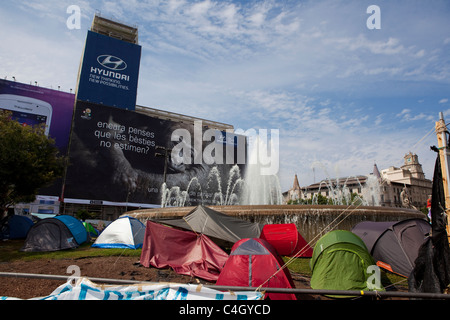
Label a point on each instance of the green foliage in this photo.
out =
(83, 214)
(320, 199)
(29, 161)
(10, 251)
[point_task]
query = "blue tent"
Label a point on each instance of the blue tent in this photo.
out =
(75, 226)
(15, 227)
(52, 234)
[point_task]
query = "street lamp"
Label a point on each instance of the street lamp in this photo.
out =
(165, 155)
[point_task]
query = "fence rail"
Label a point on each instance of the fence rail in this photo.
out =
(374, 294)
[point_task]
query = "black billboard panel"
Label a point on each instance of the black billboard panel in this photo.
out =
(118, 157)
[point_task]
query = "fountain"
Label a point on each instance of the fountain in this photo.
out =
(339, 193)
(249, 190)
(254, 188)
(258, 198)
(311, 220)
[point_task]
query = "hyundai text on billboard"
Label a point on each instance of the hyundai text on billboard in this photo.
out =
(117, 157)
(109, 72)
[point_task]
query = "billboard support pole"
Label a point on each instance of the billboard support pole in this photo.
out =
(444, 153)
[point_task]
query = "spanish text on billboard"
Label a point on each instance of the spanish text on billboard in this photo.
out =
(118, 156)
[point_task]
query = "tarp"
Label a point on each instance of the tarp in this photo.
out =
(394, 245)
(125, 232)
(254, 262)
(52, 234)
(85, 289)
(216, 224)
(340, 261)
(15, 227)
(184, 251)
(286, 239)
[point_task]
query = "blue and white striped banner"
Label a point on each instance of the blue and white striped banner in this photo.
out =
(85, 289)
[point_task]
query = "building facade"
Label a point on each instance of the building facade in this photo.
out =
(406, 186)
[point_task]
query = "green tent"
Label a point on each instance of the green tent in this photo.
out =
(93, 233)
(340, 261)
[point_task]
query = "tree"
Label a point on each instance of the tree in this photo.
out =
(29, 161)
(83, 214)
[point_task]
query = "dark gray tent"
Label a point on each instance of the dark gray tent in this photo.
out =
(216, 225)
(53, 234)
(395, 244)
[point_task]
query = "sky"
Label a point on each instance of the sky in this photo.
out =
(342, 95)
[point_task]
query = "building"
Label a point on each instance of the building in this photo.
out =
(132, 136)
(295, 193)
(393, 187)
(407, 185)
(114, 29)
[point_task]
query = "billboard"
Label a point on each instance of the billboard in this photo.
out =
(117, 157)
(31, 105)
(109, 72)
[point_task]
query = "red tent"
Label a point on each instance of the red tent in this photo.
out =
(286, 240)
(254, 262)
(184, 251)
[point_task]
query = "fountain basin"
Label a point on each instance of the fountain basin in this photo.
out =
(312, 221)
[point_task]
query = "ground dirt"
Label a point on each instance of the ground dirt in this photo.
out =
(127, 268)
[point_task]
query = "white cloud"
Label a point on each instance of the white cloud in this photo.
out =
(386, 47)
(404, 112)
(406, 115)
(308, 68)
(379, 119)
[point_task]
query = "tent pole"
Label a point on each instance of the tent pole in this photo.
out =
(444, 154)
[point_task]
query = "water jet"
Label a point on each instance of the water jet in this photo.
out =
(311, 220)
(257, 198)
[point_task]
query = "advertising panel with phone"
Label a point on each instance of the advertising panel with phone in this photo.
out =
(33, 105)
(27, 111)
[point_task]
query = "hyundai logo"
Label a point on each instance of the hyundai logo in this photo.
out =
(112, 62)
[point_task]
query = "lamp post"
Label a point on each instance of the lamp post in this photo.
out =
(165, 155)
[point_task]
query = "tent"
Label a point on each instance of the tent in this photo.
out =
(286, 239)
(92, 232)
(184, 251)
(340, 261)
(125, 232)
(216, 225)
(254, 262)
(52, 234)
(394, 245)
(15, 227)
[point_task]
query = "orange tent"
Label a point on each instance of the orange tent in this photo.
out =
(286, 239)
